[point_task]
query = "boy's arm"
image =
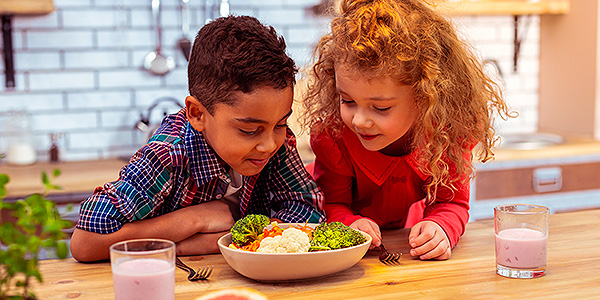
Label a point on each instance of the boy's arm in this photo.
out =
(212, 219)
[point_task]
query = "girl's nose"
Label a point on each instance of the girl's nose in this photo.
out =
(361, 120)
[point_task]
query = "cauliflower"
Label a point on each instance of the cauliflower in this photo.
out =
(292, 240)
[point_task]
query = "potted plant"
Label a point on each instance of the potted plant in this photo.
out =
(34, 224)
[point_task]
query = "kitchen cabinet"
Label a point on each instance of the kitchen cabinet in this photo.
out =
(563, 177)
(505, 7)
(569, 91)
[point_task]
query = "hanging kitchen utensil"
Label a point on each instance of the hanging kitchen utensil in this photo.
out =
(9, 67)
(184, 44)
(208, 11)
(155, 62)
(224, 8)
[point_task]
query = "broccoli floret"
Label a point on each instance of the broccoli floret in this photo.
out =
(335, 235)
(248, 228)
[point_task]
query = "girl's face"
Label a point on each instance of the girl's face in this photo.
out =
(378, 110)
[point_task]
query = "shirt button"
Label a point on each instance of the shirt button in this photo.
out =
(219, 196)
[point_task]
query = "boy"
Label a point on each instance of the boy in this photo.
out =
(227, 154)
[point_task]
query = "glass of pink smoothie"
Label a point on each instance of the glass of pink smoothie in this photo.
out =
(521, 240)
(143, 269)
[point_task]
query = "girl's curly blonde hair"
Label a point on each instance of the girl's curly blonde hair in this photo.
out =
(408, 41)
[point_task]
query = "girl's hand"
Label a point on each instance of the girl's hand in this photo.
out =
(371, 228)
(429, 241)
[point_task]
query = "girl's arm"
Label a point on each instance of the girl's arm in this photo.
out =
(335, 177)
(444, 223)
(451, 210)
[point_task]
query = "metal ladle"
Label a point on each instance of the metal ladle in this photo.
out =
(184, 44)
(155, 62)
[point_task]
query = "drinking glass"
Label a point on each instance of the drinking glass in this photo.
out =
(143, 269)
(521, 240)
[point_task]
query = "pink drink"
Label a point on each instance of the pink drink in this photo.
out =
(521, 248)
(144, 279)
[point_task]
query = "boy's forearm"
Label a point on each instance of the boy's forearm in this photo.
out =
(201, 243)
(88, 246)
(175, 226)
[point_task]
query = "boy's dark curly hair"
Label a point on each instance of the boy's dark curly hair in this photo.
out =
(237, 53)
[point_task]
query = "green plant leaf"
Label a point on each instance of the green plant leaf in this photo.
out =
(4, 179)
(45, 179)
(53, 187)
(36, 224)
(37, 275)
(61, 250)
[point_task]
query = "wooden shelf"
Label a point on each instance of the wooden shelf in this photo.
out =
(77, 177)
(504, 7)
(26, 7)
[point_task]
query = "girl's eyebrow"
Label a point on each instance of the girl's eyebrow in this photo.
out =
(251, 120)
(375, 98)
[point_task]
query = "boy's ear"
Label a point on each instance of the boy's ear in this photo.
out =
(195, 112)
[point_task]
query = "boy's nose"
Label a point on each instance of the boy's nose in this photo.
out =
(267, 144)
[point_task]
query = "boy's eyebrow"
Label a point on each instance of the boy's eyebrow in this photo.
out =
(254, 120)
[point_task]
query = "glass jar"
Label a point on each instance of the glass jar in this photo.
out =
(20, 148)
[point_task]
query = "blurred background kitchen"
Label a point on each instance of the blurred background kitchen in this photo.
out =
(77, 89)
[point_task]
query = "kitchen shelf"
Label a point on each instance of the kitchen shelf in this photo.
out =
(78, 179)
(9, 9)
(26, 7)
(505, 7)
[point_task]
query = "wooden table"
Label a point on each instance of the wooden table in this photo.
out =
(573, 271)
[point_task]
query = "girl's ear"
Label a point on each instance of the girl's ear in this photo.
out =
(195, 112)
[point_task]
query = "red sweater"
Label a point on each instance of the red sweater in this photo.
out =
(361, 183)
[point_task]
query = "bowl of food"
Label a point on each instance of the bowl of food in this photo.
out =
(279, 252)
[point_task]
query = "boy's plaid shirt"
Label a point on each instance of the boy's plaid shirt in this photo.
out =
(177, 168)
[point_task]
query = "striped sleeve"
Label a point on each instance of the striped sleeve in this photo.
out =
(137, 194)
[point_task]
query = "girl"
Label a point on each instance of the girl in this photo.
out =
(396, 104)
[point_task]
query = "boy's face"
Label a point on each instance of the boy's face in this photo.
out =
(246, 135)
(378, 110)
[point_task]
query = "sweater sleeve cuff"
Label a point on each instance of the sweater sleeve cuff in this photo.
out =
(452, 222)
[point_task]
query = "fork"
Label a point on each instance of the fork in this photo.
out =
(201, 274)
(386, 256)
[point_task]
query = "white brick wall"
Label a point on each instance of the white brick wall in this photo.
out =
(78, 69)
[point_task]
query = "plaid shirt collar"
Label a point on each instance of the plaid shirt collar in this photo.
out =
(203, 161)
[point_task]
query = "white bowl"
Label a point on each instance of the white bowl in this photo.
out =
(291, 266)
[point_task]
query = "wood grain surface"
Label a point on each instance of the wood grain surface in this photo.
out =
(504, 7)
(572, 273)
(26, 7)
(77, 177)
